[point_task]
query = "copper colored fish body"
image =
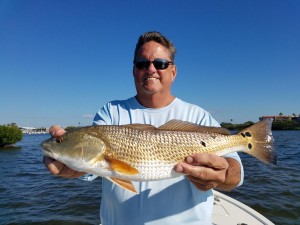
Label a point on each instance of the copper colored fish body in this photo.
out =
(138, 152)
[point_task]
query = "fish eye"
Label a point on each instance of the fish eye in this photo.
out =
(58, 140)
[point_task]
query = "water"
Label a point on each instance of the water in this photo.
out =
(274, 191)
(29, 195)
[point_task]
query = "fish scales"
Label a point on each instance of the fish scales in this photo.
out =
(140, 146)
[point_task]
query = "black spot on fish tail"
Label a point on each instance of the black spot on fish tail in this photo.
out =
(248, 134)
(203, 144)
(262, 143)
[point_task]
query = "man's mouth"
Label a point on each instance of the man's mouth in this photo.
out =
(151, 78)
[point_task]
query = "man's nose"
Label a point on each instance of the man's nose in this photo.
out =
(151, 68)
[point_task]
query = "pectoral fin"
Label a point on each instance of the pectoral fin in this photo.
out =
(120, 166)
(123, 184)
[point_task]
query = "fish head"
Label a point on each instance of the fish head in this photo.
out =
(74, 148)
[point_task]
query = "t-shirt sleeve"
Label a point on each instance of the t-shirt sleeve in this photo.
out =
(103, 116)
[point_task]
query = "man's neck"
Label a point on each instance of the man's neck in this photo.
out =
(155, 101)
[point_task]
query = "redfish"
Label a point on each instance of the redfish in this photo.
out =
(138, 152)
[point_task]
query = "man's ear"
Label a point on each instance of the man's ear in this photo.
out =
(174, 72)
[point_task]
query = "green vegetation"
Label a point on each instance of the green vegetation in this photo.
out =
(231, 126)
(70, 128)
(9, 135)
(286, 125)
(277, 125)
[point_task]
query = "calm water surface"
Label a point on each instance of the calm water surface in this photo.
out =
(29, 195)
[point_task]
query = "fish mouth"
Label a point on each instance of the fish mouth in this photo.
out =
(50, 154)
(46, 149)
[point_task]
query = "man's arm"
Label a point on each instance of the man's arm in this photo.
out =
(208, 171)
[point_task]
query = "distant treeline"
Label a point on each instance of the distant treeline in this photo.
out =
(70, 128)
(276, 125)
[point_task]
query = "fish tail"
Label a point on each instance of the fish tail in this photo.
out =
(261, 142)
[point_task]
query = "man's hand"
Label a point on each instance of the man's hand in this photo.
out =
(56, 167)
(207, 171)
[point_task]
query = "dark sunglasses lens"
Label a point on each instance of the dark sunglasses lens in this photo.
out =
(142, 64)
(160, 64)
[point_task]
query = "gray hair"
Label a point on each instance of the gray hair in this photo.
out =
(158, 38)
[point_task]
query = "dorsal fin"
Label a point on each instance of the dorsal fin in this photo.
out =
(179, 125)
(140, 126)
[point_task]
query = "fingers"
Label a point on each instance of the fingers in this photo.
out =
(202, 173)
(52, 165)
(206, 171)
(67, 172)
(202, 185)
(60, 169)
(208, 160)
(56, 131)
(202, 160)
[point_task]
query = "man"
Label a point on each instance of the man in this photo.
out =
(183, 200)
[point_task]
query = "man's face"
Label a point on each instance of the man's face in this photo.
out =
(150, 80)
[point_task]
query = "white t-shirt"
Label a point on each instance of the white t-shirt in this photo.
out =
(170, 201)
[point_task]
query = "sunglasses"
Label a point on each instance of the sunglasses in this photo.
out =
(159, 64)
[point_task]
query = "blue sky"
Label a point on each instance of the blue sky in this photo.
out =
(61, 60)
